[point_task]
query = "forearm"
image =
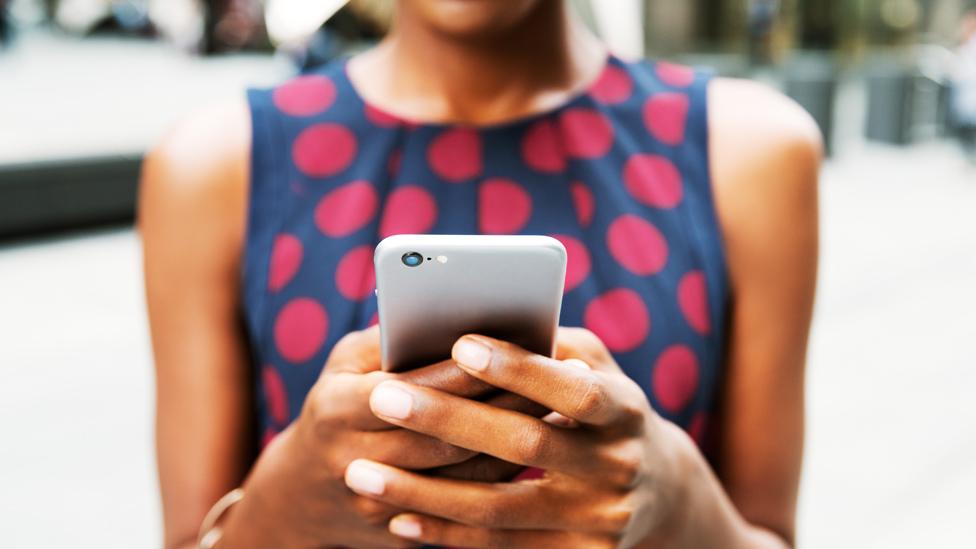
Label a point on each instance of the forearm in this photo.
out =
(706, 517)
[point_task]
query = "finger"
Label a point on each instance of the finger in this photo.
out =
(586, 346)
(578, 393)
(480, 468)
(407, 450)
(352, 391)
(510, 506)
(436, 531)
(478, 426)
(356, 352)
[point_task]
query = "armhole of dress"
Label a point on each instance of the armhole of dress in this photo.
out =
(261, 208)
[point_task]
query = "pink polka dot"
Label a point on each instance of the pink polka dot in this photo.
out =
(697, 428)
(637, 245)
(693, 301)
(394, 162)
(268, 437)
(355, 276)
(541, 148)
(613, 86)
(504, 207)
(675, 378)
(653, 180)
(577, 261)
(324, 149)
(374, 320)
(583, 200)
(666, 115)
(275, 396)
(619, 318)
(300, 329)
(586, 133)
(380, 117)
(305, 95)
(409, 210)
(678, 76)
(455, 155)
(286, 258)
(346, 209)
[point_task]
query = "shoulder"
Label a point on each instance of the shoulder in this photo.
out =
(765, 153)
(756, 128)
(194, 181)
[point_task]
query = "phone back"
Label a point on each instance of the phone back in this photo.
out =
(507, 287)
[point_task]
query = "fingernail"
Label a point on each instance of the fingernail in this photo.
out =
(391, 401)
(363, 479)
(405, 527)
(472, 354)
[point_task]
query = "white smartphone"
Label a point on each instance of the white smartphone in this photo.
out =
(433, 289)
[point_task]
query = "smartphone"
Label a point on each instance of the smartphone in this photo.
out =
(433, 289)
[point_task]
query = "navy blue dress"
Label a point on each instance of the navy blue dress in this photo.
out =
(619, 174)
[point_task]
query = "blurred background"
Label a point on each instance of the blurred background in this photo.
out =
(86, 86)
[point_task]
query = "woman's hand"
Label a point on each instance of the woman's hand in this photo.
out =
(613, 475)
(295, 495)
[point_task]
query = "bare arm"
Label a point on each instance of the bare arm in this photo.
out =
(766, 153)
(191, 216)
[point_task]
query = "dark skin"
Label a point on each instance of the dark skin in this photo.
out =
(637, 478)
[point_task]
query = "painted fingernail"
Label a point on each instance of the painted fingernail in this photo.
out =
(390, 401)
(472, 354)
(405, 527)
(363, 479)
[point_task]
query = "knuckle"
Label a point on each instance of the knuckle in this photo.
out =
(535, 443)
(371, 511)
(626, 467)
(493, 514)
(593, 397)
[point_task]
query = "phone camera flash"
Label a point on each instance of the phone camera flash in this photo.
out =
(442, 259)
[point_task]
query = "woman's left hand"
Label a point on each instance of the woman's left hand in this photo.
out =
(614, 473)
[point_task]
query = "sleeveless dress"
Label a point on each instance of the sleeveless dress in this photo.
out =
(619, 174)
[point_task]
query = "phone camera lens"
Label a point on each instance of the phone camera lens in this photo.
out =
(412, 259)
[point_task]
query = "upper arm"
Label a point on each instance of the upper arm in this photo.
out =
(766, 154)
(191, 218)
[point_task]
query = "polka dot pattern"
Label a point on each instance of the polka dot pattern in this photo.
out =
(286, 258)
(609, 174)
(578, 262)
(355, 277)
(666, 117)
(346, 209)
(275, 395)
(300, 329)
(674, 75)
(583, 202)
(653, 180)
(455, 155)
(586, 133)
(541, 148)
(614, 86)
(619, 318)
(637, 245)
(504, 207)
(305, 96)
(410, 209)
(324, 150)
(380, 118)
(693, 301)
(675, 378)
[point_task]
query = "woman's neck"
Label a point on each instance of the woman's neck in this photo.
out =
(425, 75)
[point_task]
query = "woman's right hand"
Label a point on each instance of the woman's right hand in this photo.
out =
(295, 495)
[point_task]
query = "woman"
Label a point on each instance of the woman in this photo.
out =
(689, 209)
